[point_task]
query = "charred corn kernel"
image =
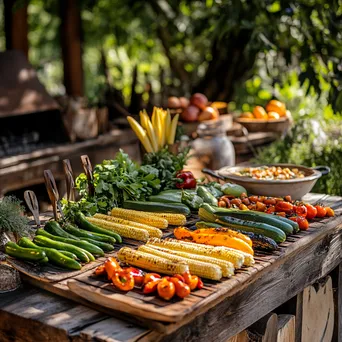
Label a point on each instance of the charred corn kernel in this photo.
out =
(235, 257)
(173, 219)
(123, 230)
(152, 231)
(227, 267)
(140, 216)
(199, 268)
(151, 262)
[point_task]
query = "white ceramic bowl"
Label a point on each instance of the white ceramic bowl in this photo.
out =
(296, 188)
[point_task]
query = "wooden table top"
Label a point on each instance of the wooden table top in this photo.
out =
(31, 314)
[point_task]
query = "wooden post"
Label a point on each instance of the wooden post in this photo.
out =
(71, 47)
(16, 27)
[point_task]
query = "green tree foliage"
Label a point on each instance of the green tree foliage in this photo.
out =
(211, 46)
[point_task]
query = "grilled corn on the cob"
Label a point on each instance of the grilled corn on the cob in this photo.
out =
(226, 266)
(173, 219)
(151, 262)
(141, 217)
(152, 231)
(199, 268)
(235, 257)
(123, 230)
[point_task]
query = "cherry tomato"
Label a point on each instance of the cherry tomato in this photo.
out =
(330, 212)
(200, 284)
(182, 289)
(246, 201)
(243, 195)
(270, 201)
(260, 206)
(270, 209)
(254, 198)
(284, 207)
(288, 198)
(251, 207)
(151, 286)
(151, 277)
(302, 222)
(191, 280)
(166, 289)
(180, 277)
(301, 210)
(321, 211)
(311, 211)
(236, 201)
(281, 213)
(100, 270)
(243, 207)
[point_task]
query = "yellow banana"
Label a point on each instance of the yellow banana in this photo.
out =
(141, 134)
(172, 132)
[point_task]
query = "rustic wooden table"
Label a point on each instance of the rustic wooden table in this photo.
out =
(32, 314)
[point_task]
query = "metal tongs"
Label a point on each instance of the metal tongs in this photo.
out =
(51, 187)
(32, 203)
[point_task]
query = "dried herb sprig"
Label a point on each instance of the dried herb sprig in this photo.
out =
(12, 219)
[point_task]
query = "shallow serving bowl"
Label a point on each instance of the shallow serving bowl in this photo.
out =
(259, 125)
(296, 188)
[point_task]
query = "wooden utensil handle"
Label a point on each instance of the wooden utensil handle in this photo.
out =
(32, 203)
(88, 170)
(51, 188)
(69, 178)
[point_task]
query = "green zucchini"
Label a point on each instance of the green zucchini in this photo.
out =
(261, 242)
(233, 189)
(255, 227)
(233, 223)
(28, 254)
(81, 233)
(256, 216)
(81, 254)
(156, 207)
(54, 256)
(203, 224)
(292, 223)
(170, 196)
(206, 196)
(69, 254)
(95, 250)
(54, 228)
(85, 224)
(104, 246)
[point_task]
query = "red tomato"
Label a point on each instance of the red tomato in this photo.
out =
(301, 210)
(260, 206)
(321, 211)
(311, 211)
(253, 198)
(270, 201)
(302, 222)
(270, 210)
(284, 207)
(330, 212)
(282, 213)
(288, 198)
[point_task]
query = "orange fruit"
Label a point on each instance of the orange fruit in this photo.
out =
(276, 106)
(273, 116)
(260, 113)
(247, 115)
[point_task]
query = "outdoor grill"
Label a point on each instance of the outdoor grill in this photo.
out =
(32, 132)
(29, 118)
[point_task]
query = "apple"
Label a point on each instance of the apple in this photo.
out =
(209, 113)
(190, 114)
(173, 102)
(184, 102)
(199, 100)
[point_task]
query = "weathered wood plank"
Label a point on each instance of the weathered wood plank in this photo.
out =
(275, 284)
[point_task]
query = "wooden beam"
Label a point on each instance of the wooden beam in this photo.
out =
(71, 47)
(16, 27)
